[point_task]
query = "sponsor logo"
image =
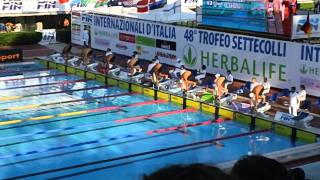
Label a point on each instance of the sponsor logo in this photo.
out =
(168, 45)
(46, 4)
(102, 42)
(127, 38)
(141, 50)
(190, 55)
(121, 46)
(12, 5)
(10, 55)
(106, 34)
(166, 55)
(309, 70)
(87, 18)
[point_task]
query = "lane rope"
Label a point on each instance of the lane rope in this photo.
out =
(46, 84)
(7, 98)
(74, 113)
(33, 77)
(32, 106)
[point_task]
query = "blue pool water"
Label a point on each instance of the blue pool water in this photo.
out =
(40, 139)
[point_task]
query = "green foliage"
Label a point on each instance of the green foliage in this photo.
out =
(20, 38)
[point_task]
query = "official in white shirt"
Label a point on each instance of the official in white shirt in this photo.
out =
(202, 74)
(229, 79)
(266, 88)
(254, 83)
(176, 72)
(294, 102)
(302, 96)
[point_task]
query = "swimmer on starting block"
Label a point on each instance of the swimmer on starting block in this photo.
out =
(157, 75)
(219, 86)
(110, 67)
(87, 52)
(133, 66)
(185, 74)
(148, 75)
(256, 97)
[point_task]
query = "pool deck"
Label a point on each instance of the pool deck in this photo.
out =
(33, 51)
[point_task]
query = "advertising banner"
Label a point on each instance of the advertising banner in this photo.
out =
(76, 28)
(48, 36)
(284, 63)
(124, 35)
(10, 55)
(11, 6)
(300, 20)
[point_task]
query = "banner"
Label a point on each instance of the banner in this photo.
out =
(298, 22)
(10, 55)
(11, 6)
(125, 35)
(48, 36)
(76, 28)
(284, 63)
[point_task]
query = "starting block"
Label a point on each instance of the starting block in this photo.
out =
(228, 97)
(263, 108)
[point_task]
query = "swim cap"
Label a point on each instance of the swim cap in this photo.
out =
(217, 75)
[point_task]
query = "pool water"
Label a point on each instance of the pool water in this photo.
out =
(83, 129)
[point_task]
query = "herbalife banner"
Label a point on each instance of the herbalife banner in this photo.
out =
(284, 63)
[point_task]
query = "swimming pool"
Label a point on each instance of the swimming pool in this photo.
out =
(55, 125)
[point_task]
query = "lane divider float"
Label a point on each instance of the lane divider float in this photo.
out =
(6, 98)
(46, 84)
(33, 77)
(32, 106)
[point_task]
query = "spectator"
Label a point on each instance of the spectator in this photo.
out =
(188, 172)
(294, 102)
(259, 168)
(66, 23)
(18, 27)
(297, 174)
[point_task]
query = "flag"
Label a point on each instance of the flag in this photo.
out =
(143, 6)
(101, 3)
(306, 27)
(173, 8)
(63, 1)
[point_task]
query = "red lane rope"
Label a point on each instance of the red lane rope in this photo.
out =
(174, 128)
(129, 105)
(155, 115)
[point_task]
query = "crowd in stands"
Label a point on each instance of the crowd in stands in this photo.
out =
(253, 167)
